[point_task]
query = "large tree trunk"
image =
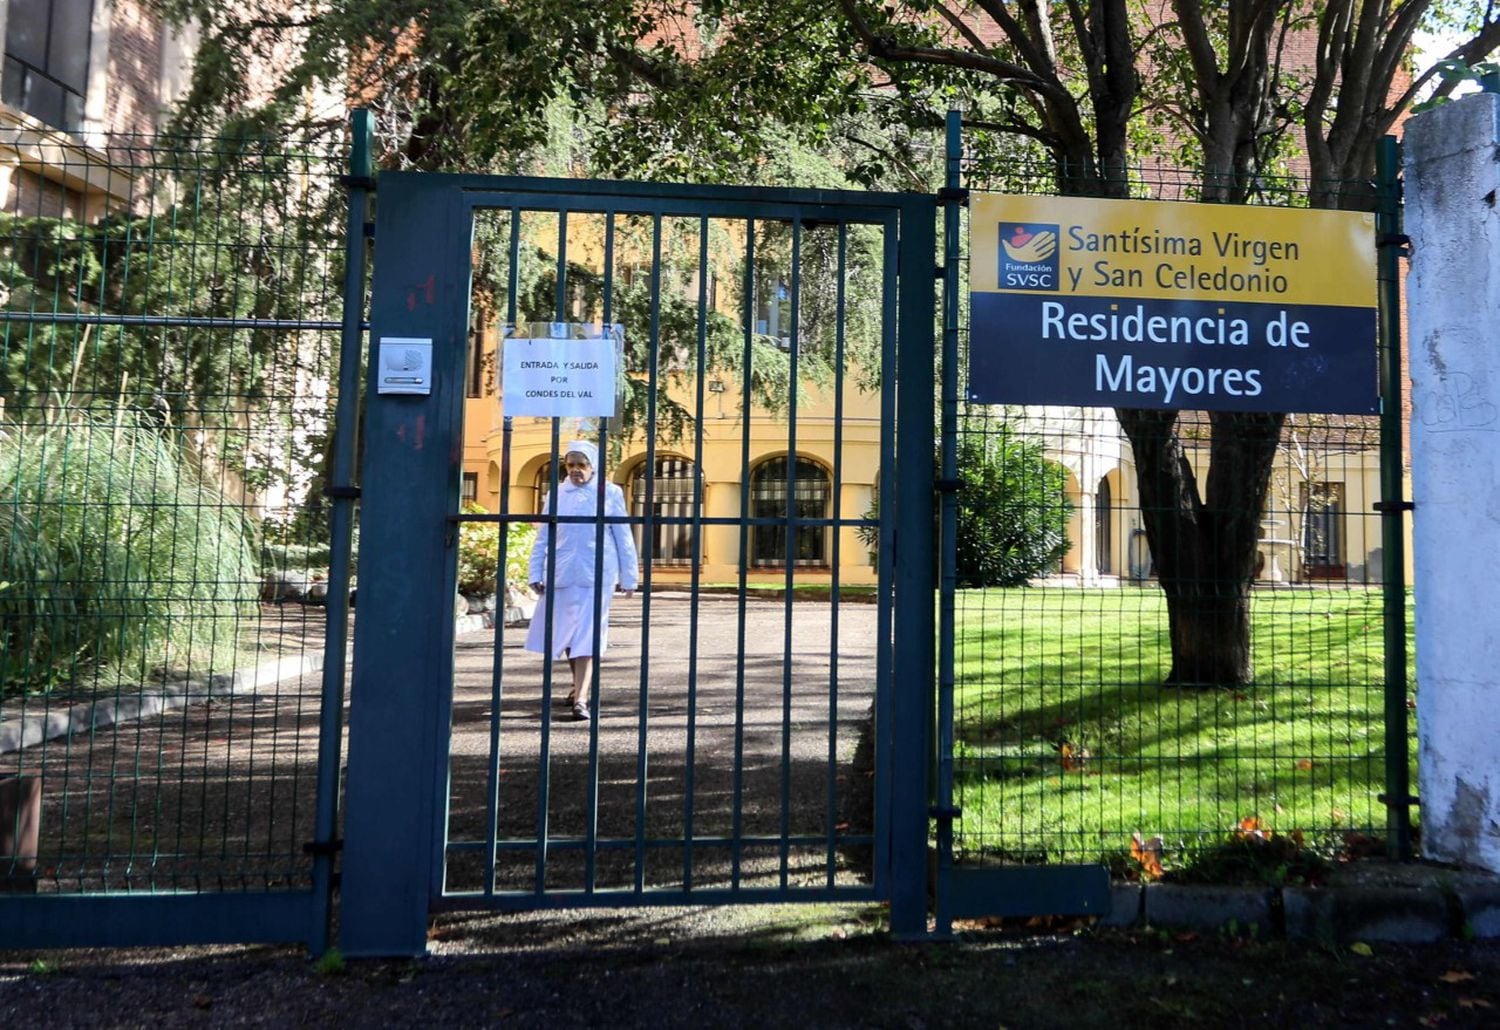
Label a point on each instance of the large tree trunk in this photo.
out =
(1204, 545)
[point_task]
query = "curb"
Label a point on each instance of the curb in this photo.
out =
(29, 730)
(1344, 914)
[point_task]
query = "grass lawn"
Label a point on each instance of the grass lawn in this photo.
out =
(1066, 743)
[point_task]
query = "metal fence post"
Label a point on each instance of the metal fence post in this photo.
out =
(944, 811)
(342, 493)
(912, 701)
(1393, 505)
(403, 640)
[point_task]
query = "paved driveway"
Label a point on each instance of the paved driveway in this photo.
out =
(766, 740)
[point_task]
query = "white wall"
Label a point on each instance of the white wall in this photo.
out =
(1453, 218)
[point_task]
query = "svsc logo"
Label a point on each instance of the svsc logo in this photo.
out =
(1028, 256)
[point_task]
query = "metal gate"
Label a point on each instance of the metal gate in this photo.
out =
(759, 728)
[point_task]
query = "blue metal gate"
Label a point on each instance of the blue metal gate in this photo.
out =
(776, 531)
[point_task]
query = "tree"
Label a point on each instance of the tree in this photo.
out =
(1219, 76)
(692, 88)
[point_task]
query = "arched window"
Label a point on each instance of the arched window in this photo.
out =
(670, 512)
(773, 497)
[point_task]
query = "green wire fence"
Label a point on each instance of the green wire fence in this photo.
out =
(1067, 744)
(169, 315)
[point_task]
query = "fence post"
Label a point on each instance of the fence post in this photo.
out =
(1392, 507)
(944, 811)
(403, 640)
(912, 700)
(342, 493)
(1452, 181)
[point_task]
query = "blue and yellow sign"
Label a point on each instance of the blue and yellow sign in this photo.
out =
(1144, 304)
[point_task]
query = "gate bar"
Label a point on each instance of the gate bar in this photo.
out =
(1397, 797)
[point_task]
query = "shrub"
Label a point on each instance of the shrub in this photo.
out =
(479, 553)
(276, 558)
(112, 550)
(1013, 509)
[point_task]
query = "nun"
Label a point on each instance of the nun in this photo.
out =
(566, 581)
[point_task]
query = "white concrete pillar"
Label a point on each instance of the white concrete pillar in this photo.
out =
(1453, 218)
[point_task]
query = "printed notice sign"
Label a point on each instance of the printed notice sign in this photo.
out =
(560, 376)
(1144, 304)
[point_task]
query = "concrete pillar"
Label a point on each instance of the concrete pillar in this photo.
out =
(1453, 218)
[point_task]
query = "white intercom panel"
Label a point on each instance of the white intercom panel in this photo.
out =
(405, 365)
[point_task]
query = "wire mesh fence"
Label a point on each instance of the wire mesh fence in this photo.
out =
(1085, 729)
(168, 339)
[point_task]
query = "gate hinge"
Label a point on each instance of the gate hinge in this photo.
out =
(947, 486)
(357, 182)
(1402, 802)
(953, 195)
(339, 493)
(323, 847)
(947, 813)
(369, 229)
(940, 271)
(1387, 506)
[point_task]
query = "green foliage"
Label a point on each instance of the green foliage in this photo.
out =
(1012, 509)
(113, 548)
(232, 228)
(1256, 856)
(331, 963)
(479, 553)
(1453, 73)
(279, 557)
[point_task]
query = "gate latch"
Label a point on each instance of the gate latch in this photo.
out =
(947, 813)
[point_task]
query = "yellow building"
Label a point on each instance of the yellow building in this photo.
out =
(826, 484)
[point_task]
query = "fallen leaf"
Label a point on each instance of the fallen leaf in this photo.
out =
(1474, 1003)
(1147, 854)
(1361, 948)
(1072, 757)
(1456, 976)
(203, 1001)
(1249, 828)
(1304, 764)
